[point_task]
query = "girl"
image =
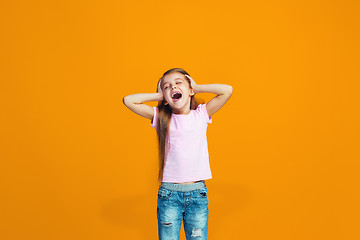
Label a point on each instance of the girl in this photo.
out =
(181, 126)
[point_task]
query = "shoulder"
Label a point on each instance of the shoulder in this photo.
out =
(154, 119)
(202, 111)
(201, 107)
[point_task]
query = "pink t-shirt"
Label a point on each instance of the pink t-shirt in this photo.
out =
(187, 156)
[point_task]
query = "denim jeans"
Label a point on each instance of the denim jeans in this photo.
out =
(182, 202)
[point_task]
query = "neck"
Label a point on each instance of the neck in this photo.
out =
(184, 110)
(181, 111)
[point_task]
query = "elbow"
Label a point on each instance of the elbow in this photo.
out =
(229, 90)
(125, 101)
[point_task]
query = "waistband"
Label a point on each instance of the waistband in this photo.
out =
(183, 187)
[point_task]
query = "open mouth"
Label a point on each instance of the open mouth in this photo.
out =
(176, 96)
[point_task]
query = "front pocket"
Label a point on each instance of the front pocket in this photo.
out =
(202, 192)
(164, 193)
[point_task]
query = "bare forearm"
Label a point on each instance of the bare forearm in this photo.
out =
(218, 89)
(139, 98)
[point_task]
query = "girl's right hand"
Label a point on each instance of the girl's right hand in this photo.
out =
(159, 91)
(159, 88)
(161, 96)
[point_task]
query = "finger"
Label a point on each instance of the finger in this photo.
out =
(190, 78)
(158, 87)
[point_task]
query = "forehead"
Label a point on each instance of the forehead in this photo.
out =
(172, 76)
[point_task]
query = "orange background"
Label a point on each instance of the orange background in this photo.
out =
(284, 150)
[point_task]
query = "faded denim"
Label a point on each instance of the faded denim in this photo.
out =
(179, 202)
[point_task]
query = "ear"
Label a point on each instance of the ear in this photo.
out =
(192, 93)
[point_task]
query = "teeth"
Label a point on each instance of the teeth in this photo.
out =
(174, 94)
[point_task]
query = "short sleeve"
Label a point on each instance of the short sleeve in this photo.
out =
(203, 111)
(154, 120)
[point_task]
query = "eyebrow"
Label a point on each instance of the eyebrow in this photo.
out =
(174, 79)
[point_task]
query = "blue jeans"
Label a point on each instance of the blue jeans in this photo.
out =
(178, 202)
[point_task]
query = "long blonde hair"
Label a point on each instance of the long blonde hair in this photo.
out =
(164, 118)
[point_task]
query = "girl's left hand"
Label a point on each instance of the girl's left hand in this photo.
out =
(193, 84)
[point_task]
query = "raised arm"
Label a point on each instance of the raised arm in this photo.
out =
(223, 92)
(135, 103)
